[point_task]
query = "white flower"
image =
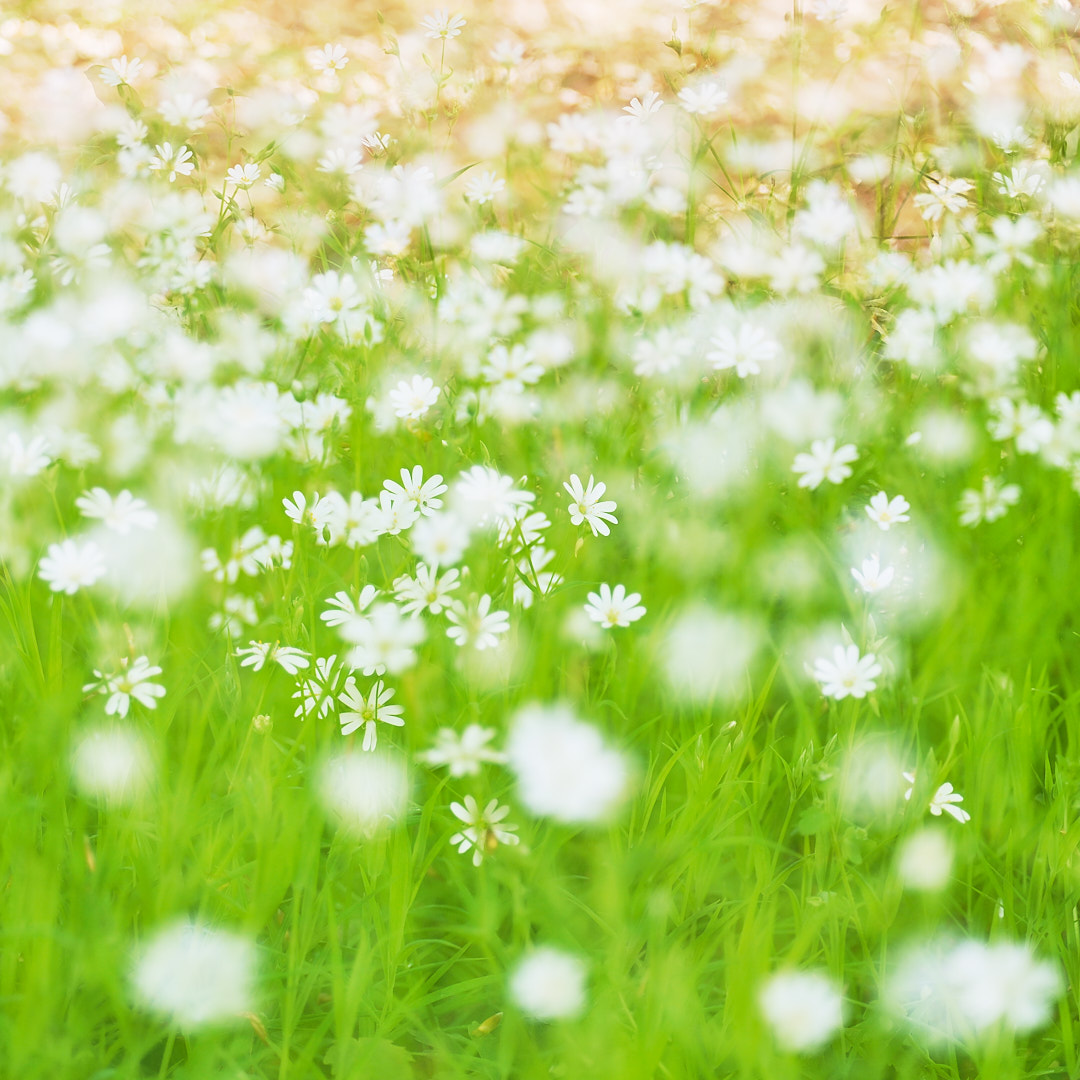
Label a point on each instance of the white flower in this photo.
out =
(507, 53)
(871, 577)
(1024, 422)
(395, 515)
(26, 459)
(476, 625)
(129, 682)
(171, 161)
(614, 607)
(440, 24)
(440, 539)
(364, 712)
(705, 99)
(328, 58)
(848, 674)
(257, 653)
(948, 990)
(111, 764)
(586, 506)
(483, 188)
(511, 369)
(803, 1008)
(384, 641)
(710, 654)
(195, 975)
(364, 792)
(342, 609)
(925, 860)
(886, 512)
(71, 565)
(826, 461)
(424, 494)
(483, 495)
(1024, 181)
(549, 984)
(745, 350)
(320, 514)
(426, 592)
(185, 110)
(944, 801)
(989, 504)
(943, 195)
(412, 398)
(120, 513)
(463, 754)
(564, 767)
(642, 108)
(243, 176)
(316, 691)
(483, 831)
(236, 612)
(120, 71)
(828, 10)
(341, 159)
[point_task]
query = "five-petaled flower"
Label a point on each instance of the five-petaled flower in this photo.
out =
(614, 607)
(587, 507)
(825, 461)
(847, 674)
(483, 830)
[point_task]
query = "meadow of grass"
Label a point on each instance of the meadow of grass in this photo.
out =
(674, 248)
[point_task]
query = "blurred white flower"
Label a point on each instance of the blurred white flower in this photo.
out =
(825, 461)
(483, 188)
(195, 976)
(463, 753)
(412, 398)
(476, 624)
(121, 513)
(924, 863)
(383, 641)
(364, 792)
(111, 763)
(565, 769)
(710, 654)
(441, 24)
(71, 565)
(872, 577)
(952, 991)
(549, 984)
(704, 99)
(328, 58)
(804, 1009)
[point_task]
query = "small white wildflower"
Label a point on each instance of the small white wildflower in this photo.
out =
(614, 607)
(886, 512)
(847, 674)
(483, 830)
